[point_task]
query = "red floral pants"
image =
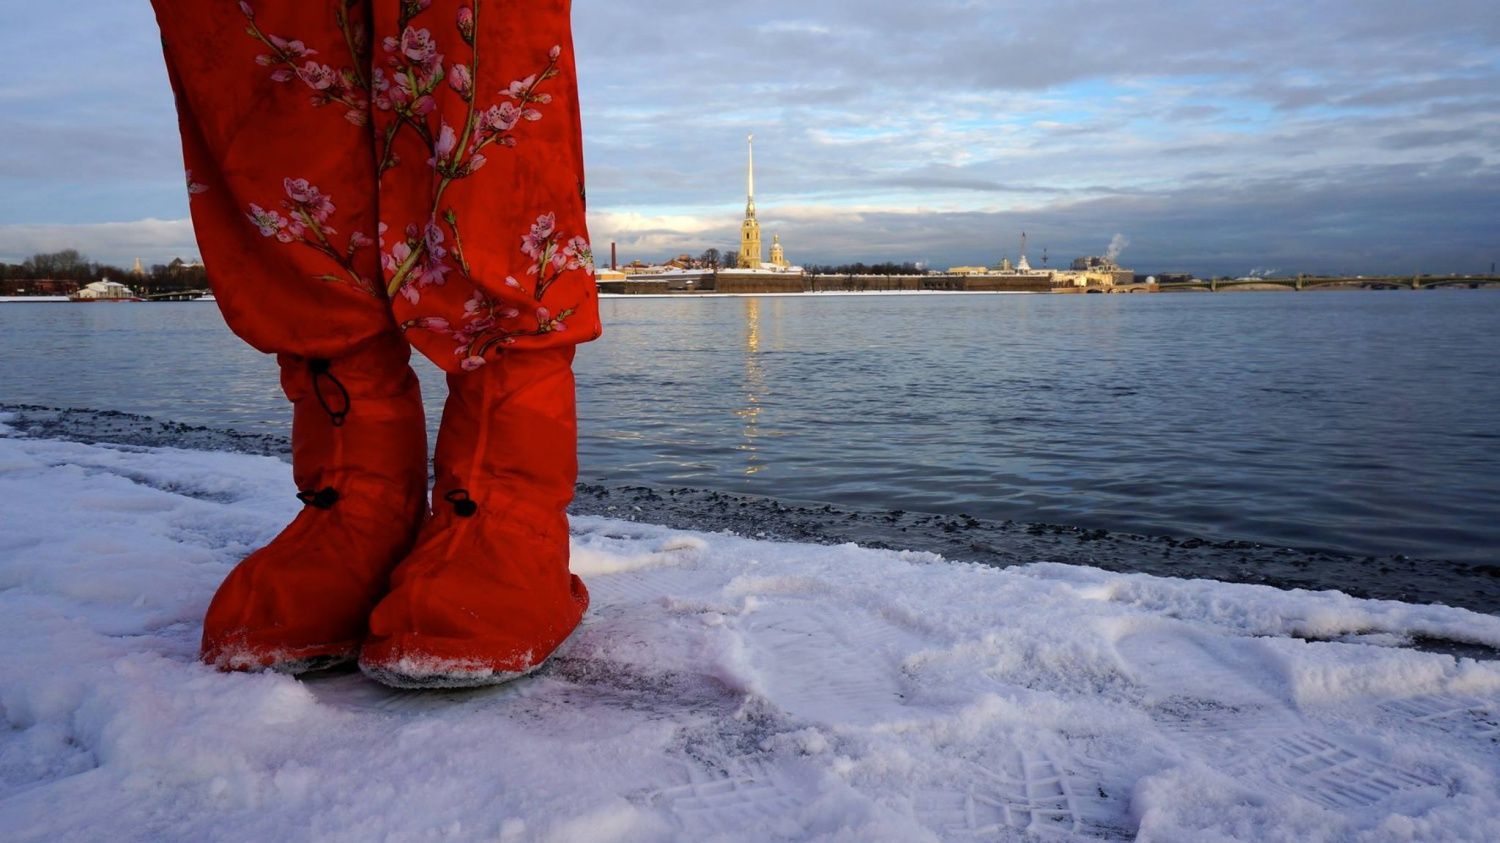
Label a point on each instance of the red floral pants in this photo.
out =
(364, 166)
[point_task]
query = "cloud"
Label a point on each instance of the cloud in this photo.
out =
(119, 243)
(1209, 132)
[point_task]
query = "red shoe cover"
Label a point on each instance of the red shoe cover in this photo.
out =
(359, 455)
(486, 595)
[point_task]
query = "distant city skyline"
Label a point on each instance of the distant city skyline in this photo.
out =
(1354, 137)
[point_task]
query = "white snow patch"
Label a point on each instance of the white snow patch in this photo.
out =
(720, 688)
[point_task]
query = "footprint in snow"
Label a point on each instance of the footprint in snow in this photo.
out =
(1223, 700)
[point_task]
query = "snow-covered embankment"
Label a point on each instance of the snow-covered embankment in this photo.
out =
(720, 689)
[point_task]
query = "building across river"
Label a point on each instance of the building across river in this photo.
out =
(751, 273)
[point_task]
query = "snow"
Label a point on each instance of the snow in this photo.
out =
(721, 688)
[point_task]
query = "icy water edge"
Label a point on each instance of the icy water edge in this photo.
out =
(1008, 428)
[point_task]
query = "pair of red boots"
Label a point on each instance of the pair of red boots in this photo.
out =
(475, 591)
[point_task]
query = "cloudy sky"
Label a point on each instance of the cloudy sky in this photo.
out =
(1218, 137)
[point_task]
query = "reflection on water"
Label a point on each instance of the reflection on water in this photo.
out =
(1352, 421)
(754, 389)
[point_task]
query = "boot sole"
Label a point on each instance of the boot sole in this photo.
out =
(244, 660)
(315, 664)
(442, 680)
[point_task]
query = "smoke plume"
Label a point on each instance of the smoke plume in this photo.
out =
(1117, 245)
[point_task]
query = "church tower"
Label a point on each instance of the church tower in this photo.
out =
(778, 254)
(751, 255)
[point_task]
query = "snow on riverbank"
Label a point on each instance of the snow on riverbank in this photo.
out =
(720, 689)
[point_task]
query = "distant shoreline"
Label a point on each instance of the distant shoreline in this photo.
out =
(1241, 287)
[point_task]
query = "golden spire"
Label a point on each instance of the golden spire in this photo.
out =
(750, 179)
(751, 255)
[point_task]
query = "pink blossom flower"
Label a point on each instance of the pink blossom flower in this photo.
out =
(360, 240)
(319, 77)
(433, 235)
(443, 149)
(433, 273)
(424, 106)
(554, 52)
(460, 80)
(475, 302)
(579, 255)
(499, 118)
(545, 225)
(410, 292)
(546, 324)
(270, 222)
(246, 10)
(509, 313)
(466, 24)
(433, 323)
(380, 87)
(295, 230)
(281, 75)
(418, 46)
(306, 197)
(194, 188)
(469, 364)
(291, 49)
(512, 282)
(518, 88)
(397, 256)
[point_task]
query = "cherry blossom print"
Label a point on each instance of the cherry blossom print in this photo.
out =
(194, 188)
(427, 245)
(487, 323)
(291, 59)
(270, 223)
(308, 211)
(463, 95)
(460, 81)
(414, 68)
(466, 24)
(547, 323)
(549, 262)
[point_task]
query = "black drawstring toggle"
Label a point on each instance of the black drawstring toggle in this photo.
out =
(463, 507)
(319, 498)
(320, 370)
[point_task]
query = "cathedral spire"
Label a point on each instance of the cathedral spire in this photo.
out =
(751, 255)
(750, 179)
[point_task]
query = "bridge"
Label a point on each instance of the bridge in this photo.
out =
(1372, 282)
(176, 295)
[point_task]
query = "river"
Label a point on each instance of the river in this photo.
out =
(1356, 422)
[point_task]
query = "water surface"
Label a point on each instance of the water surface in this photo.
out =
(1354, 421)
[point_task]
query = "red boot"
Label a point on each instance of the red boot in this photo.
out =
(486, 595)
(359, 455)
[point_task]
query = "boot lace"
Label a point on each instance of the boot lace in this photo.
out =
(320, 373)
(319, 498)
(463, 506)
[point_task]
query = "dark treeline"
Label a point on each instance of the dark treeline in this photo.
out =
(887, 268)
(62, 272)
